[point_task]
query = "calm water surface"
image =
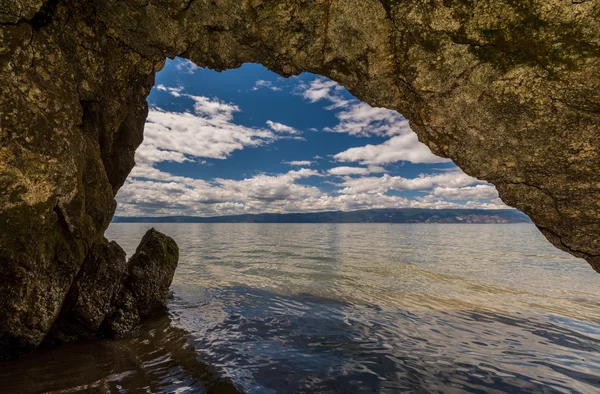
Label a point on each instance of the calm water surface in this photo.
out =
(348, 308)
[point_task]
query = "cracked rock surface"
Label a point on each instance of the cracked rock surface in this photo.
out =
(509, 90)
(146, 285)
(111, 296)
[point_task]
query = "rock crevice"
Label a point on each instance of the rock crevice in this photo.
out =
(111, 296)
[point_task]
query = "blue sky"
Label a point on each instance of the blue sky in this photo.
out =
(250, 141)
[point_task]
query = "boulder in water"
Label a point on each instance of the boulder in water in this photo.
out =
(146, 286)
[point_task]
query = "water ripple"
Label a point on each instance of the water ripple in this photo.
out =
(350, 309)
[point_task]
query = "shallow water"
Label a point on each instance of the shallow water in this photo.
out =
(349, 308)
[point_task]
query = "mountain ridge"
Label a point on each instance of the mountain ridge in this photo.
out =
(385, 215)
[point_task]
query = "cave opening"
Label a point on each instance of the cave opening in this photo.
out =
(247, 141)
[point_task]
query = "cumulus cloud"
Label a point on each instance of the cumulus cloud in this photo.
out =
(170, 135)
(431, 201)
(149, 153)
(399, 148)
(281, 128)
(208, 132)
(477, 192)
(318, 89)
(355, 117)
(267, 85)
(272, 188)
(385, 183)
(360, 119)
(323, 89)
(403, 145)
(185, 65)
(345, 170)
(376, 169)
(299, 163)
(174, 91)
(150, 191)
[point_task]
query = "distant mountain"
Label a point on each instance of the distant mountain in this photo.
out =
(402, 215)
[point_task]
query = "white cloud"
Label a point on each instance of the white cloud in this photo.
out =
(272, 188)
(150, 191)
(386, 182)
(430, 201)
(214, 109)
(355, 117)
(209, 132)
(477, 192)
(299, 163)
(348, 171)
(281, 128)
(185, 65)
(303, 173)
(213, 135)
(345, 170)
(399, 148)
(149, 153)
(360, 119)
(318, 89)
(323, 89)
(266, 84)
(174, 91)
(376, 169)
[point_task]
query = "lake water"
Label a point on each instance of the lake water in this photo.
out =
(348, 308)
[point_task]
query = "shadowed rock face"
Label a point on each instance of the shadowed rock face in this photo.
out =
(93, 295)
(508, 89)
(110, 296)
(146, 285)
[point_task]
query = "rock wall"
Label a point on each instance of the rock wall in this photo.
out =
(508, 89)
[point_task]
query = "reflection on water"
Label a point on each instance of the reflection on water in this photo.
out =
(159, 360)
(349, 308)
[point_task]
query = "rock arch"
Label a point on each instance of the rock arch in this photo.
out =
(507, 89)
